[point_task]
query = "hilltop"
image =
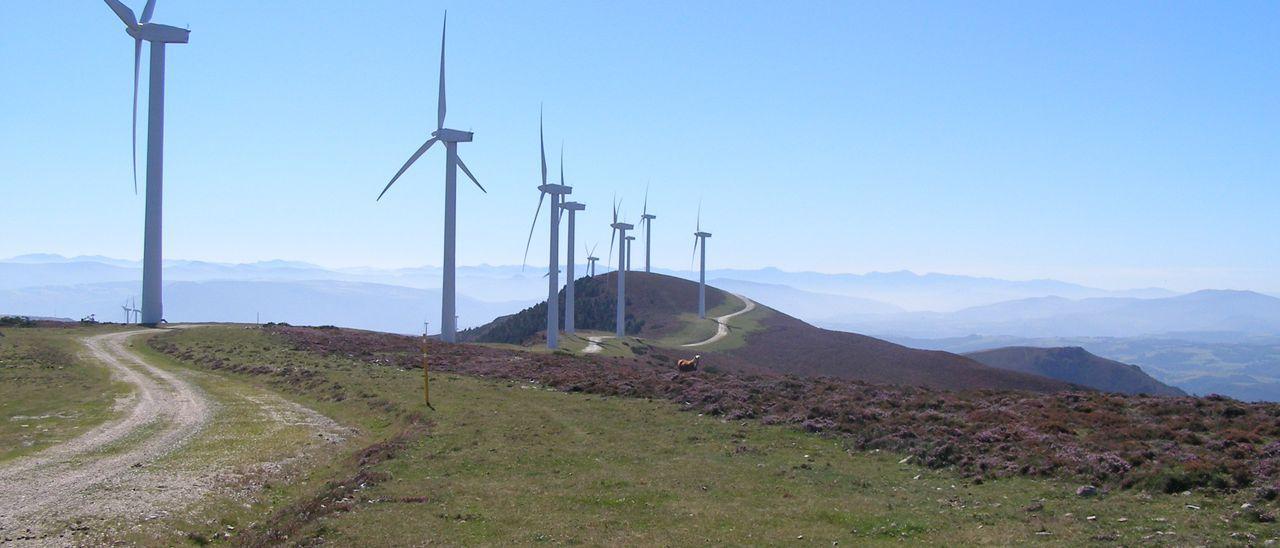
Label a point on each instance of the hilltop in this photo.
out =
(1076, 365)
(661, 312)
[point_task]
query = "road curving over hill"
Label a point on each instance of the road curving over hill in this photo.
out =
(722, 330)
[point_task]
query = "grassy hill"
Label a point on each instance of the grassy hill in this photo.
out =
(1075, 365)
(661, 312)
(526, 447)
(657, 306)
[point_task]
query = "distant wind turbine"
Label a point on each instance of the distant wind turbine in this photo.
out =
(630, 239)
(152, 255)
(700, 237)
(133, 307)
(128, 312)
(450, 138)
(591, 260)
(572, 208)
(553, 265)
(646, 220)
(620, 229)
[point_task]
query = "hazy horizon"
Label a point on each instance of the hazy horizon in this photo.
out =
(531, 268)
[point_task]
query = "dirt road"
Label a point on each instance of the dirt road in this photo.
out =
(722, 330)
(593, 345)
(111, 472)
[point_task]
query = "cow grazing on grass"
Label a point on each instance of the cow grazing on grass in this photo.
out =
(688, 365)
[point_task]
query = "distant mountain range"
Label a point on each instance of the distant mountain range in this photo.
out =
(923, 292)
(1203, 311)
(1209, 341)
(311, 302)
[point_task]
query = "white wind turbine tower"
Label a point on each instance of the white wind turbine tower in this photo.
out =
(133, 307)
(450, 138)
(646, 220)
(700, 237)
(553, 265)
(629, 239)
(620, 229)
(157, 35)
(572, 208)
(591, 260)
(128, 312)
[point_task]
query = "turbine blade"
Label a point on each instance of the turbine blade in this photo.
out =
(468, 172)
(699, 225)
(147, 11)
(524, 262)
(609, 259)
(137, 67)
(440, 110)
(123, 12)
(645, 211)
(562, 162)
(412, 159)
(695, 252)
(542, 146)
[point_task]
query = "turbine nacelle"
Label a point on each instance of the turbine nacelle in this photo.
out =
(452, 135)
(573, 206)
(702, 234)
(623, 226)
(556, 189)
(648, 216)
(159, 34)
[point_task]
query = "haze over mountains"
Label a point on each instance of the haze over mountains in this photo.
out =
(1206, 341)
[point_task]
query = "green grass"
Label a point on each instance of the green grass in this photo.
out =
(696, 329)
(513, 463)
(239, 440)
(50, 389)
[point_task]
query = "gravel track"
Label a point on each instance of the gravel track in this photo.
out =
(61, 482)
(722, 330)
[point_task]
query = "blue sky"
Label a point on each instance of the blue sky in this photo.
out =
(1113, 143)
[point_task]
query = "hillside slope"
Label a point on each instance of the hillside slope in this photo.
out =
(654, 305)
(660, 305)
(789, 346)
(1076, 365)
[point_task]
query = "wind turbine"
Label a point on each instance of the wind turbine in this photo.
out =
(620, 229)
(128, 312)
(450, 138)
(133, 307)
(646, 220)
(591, 260)
(630, 239)
(700, 237)
(553, 282)
(157, 35)
(572, 208)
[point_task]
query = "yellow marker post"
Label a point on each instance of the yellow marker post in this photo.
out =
(426, 380)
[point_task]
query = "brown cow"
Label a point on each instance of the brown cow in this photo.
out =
(688, 365)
